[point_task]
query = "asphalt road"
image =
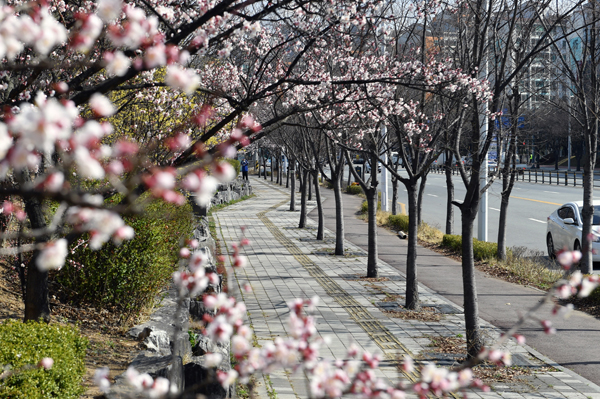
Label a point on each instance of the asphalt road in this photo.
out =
(530, 204)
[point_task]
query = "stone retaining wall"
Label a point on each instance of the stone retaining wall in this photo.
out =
(168, 352)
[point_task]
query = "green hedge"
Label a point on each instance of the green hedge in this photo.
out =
(25, 344)
(398, 222)
(481, 249)
(130, 276)
(354, 189)
(236, 165)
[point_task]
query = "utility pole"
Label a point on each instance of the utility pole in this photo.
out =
(569, 133)
(385, 206)
(482, 217)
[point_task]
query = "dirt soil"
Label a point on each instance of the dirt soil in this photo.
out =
(108, 345)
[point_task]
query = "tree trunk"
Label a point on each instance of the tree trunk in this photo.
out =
(394, 195)
(303, 190)
(271, 169)
(579, 153)
(292, 181)
(339, 213)
(372, 255)
(265, 168)
(449, 193)
(473, 332)
(372, 201)
(587, 212)
(349, 176)
(280, 173)
(420, 199)
(502, 220)
(321, 224)
(508, 181)
(309, 179)
(412, 283)
(37, 305)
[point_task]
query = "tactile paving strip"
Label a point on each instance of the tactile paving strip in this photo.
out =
(377, 331)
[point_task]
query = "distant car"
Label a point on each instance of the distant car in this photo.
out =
(564, 229)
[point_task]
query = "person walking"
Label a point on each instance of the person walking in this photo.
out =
(244, 169)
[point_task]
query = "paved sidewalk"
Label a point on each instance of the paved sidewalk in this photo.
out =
(285, 262)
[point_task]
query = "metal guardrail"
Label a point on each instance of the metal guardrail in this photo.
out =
(542, 176)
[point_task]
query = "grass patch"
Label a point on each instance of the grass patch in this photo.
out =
(425, 232)
(525, 270)
(482, 250)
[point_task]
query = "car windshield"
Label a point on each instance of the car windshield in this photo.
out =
(596, 218)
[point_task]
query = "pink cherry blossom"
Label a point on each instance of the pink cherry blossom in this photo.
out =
(53, 255)
(198, 260)
(182, 79)
(101, 376)
(568, 258)
(117, 63)
(46, 363)
(109, 10)
(101, 105)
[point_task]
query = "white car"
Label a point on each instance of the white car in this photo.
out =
(564, 229)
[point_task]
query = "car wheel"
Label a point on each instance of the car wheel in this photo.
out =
(550, 246)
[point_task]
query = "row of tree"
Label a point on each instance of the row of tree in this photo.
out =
(186, 80)
(429, 115)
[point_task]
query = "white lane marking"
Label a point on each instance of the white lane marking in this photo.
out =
(535, 220)
(494, 209)
(551, 192)
(432, 195)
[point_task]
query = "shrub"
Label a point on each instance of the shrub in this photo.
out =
(398, 222)
(364, 207)
(25, 344)
(236, 165)
(354, 189)
(129, 277)
(481, 249)
(327, 184)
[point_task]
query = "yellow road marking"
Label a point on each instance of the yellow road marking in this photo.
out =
(534, 200)
(402, 208)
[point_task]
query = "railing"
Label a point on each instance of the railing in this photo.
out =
(555, 177)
